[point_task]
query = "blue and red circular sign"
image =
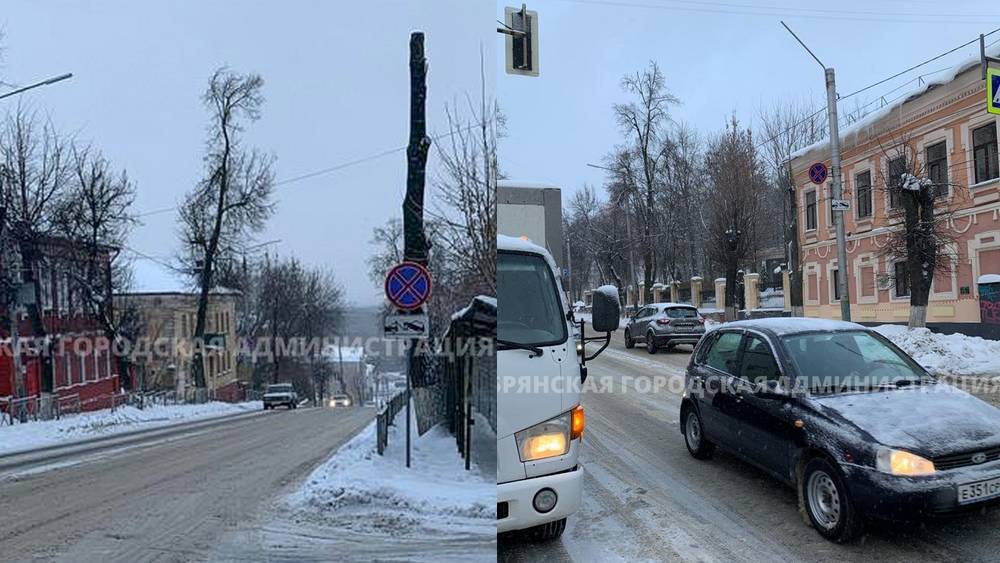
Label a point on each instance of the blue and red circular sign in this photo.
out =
(408, 286)
(818, 173)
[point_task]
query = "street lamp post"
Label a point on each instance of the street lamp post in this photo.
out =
(45, 82)
(838, 215)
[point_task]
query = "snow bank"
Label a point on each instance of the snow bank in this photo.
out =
(951, 354)
(362, 492)
(33, 435)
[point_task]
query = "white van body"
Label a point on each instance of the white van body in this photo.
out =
(533, 389)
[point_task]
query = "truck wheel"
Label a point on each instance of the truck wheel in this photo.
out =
(629, 343)
(549, 531)
(828, 502)
(650, 343)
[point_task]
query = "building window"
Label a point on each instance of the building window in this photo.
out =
(811, 210)
(984, 152)
(902, 278)
(835, 278)
(937, 168)
(897, 167)
(863, 188)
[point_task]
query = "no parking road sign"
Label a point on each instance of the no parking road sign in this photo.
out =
(817, 173)
(408, 286)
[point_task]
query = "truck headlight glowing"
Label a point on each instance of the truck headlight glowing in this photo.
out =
(547, 439)
(899, 462)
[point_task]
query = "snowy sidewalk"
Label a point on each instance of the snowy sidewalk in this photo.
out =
(89, 425)
(949, 354)
(435, 510)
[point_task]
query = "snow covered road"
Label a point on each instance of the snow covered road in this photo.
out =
(169, 499)
(646, 499)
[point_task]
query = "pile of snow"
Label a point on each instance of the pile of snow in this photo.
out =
(31, 435)
(951, 354)
(359, 491)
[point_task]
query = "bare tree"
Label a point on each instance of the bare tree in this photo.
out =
(737, 180)
(919, 233)
(93, 219)
(466, 194)
(786, 128)
(233, 200)
(35, 169)
(643, 121)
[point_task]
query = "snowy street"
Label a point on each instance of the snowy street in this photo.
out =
(646, 499)
(170, 498)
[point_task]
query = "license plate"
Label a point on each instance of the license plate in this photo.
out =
(981, 490)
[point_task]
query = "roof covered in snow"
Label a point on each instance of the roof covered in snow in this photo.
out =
(781, 326)
(873, 118)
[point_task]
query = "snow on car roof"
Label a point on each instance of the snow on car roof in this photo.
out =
(781, 326)
(671, 304)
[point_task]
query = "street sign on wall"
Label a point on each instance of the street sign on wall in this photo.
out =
(408, 286)
(993, 90)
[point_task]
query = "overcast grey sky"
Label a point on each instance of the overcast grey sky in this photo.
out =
(718, 57)
(336, 85)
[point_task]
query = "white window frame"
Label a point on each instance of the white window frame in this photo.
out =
(976, 246)
(891, 270)
(947, 135)
(805, 210)
(968, 150)
(861, 262)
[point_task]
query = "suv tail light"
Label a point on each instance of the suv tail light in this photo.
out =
(662, 321)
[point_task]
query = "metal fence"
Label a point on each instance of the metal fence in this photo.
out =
(47, 407)
(385, 418)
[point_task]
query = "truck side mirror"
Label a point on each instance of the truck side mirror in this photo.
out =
(606, 310)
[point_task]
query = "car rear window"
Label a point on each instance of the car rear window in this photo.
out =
(279, 388)
(682, 312)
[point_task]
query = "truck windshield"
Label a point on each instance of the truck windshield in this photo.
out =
(528, 306)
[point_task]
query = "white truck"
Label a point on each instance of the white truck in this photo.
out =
(541, 366)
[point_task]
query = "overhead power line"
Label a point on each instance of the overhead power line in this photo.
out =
(333, 168)
(883, 81)
(735, 9)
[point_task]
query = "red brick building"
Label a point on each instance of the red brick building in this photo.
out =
(81, 359)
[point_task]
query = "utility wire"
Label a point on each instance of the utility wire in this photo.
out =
(785, 12)
(914, 67)
(333, 168)
(884, 80)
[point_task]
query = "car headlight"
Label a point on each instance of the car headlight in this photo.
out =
(550, 438)
(899, 462)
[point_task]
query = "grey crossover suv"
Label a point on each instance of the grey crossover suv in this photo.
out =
(664, 325)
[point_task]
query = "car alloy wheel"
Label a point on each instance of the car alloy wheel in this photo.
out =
(629, 343)
(650, 343)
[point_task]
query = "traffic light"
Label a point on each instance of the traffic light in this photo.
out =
(521, 29)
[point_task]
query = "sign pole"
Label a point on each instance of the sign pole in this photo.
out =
(414, 243)
(838, 216)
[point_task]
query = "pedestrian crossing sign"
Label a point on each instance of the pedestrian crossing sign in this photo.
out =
(993, 90)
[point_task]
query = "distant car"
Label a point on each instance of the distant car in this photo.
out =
(280, 394)
(664, 325)
(840, 413)
(340, 401)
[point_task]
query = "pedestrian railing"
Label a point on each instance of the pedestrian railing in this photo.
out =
(385, 418)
